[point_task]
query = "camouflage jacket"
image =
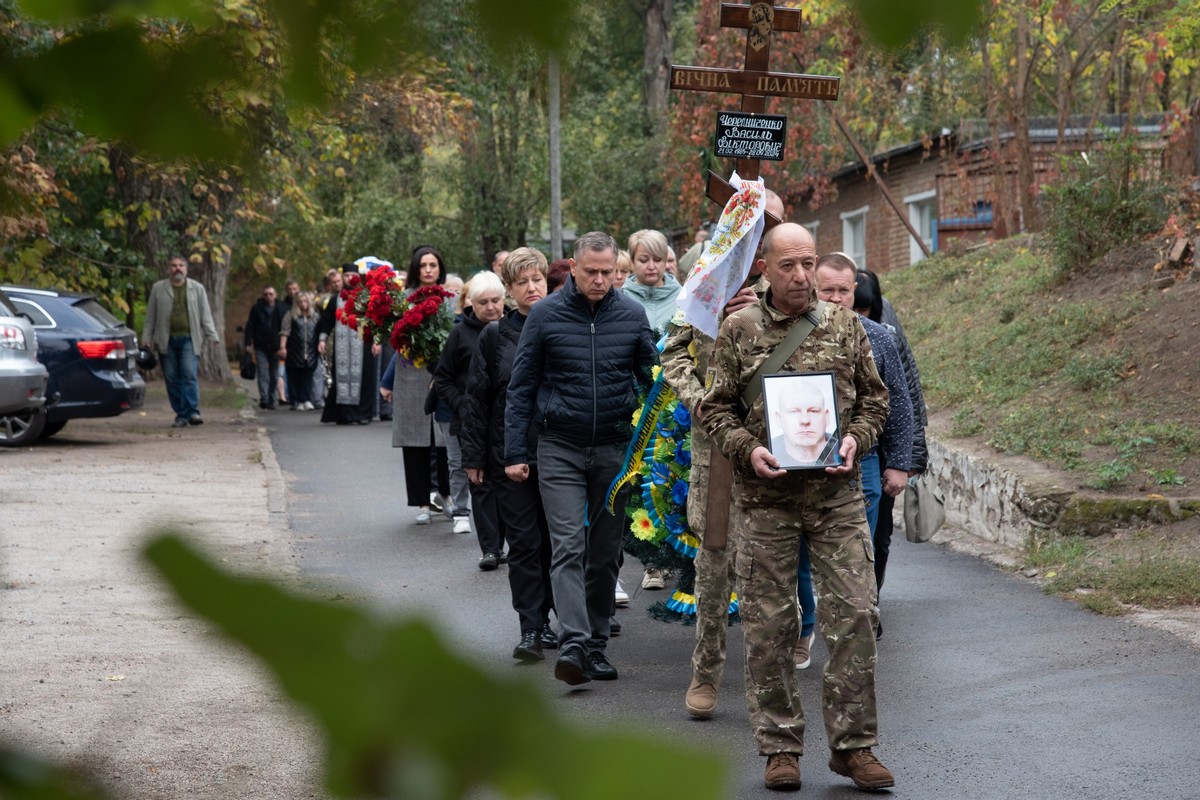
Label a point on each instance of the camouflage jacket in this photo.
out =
(685, 358)
(838, 344)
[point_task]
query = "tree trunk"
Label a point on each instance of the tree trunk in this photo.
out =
(1001, 201)
(214, 361)
(656, 65)
(1019, 114)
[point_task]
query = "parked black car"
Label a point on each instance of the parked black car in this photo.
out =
(90, 354)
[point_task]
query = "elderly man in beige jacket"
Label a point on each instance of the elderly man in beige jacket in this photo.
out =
(178, 319)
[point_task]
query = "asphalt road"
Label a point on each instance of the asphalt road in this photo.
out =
(987, 688)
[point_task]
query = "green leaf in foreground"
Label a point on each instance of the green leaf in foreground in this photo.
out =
(404, 716)
(894, 25)
(23, 777)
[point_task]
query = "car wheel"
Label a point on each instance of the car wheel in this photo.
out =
(53, 428)
(22, 427)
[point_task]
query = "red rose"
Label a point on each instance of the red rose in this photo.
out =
(352, 280)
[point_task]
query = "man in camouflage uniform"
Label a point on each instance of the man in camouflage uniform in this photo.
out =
(777, 507)
(685, 359)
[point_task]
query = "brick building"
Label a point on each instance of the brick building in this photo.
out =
(948, 187)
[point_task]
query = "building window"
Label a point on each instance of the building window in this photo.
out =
(812, 228)
(854, 235)
(922, 214)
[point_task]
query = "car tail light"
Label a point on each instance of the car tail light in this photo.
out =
(112, 349)
(12, 337)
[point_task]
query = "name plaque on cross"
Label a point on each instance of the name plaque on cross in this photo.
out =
(750, 135)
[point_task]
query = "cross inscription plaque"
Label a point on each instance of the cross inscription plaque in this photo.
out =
(755, 83)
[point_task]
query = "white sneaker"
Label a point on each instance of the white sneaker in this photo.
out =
(422, 517)
(804, 651)
(622, 597)
(654, 579)
(462, 524)
(309, 406)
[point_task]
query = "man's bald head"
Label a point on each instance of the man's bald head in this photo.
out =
(789, 231)
(775, 204)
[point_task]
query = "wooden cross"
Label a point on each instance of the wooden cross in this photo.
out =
(755, 83)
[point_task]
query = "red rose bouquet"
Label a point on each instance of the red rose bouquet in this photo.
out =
(416, 323)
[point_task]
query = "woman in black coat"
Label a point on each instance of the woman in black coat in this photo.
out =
(485, 293)
(482, 435)
(298, 340)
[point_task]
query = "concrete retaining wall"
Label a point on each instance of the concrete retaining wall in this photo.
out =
(1005, 500)
(991, 501)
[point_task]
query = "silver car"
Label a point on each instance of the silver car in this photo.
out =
(22, 379)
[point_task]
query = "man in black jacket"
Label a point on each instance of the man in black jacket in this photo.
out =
(262, 340)
(582, 354)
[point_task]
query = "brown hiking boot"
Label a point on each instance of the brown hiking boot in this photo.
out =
(783, 771)
(862, 767)
(701, 699)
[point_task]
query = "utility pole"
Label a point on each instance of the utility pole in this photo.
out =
(556, 233)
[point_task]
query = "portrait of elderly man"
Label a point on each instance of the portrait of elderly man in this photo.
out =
(802, 420)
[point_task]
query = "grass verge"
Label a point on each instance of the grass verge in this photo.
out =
(1152, 568)
(1035, 370)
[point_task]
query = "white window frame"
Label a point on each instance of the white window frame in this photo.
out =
(812, 228)
(849, 218)
(915, 203)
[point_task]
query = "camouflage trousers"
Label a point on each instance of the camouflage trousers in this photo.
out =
(833, 517)
(714, 583)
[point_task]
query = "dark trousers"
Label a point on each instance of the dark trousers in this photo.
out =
(883, 537)
(268, 376)
(418, 477)
(300, 383)
(585, 537)
(520, 505)
(489, 528)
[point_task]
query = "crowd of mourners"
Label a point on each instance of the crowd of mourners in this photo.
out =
(517, 431)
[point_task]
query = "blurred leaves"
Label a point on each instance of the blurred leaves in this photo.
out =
(404, 716)
(893, 25)
(23, 777)
(138, 71)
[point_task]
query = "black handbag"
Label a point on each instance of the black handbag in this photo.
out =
(249, 368)
(431, 399)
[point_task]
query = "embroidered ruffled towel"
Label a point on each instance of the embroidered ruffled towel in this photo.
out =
(727, 258)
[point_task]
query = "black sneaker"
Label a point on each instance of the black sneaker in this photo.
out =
(488, 562)
(529, 648)
(547, 637)
(572, 665)
(599, 667)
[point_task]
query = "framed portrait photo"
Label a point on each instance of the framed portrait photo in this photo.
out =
(802, 419)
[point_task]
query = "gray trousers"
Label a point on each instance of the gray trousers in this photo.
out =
(585, 539)
(460, 485)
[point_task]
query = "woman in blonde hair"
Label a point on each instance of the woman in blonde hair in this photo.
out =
(298, 340)
(654, 286)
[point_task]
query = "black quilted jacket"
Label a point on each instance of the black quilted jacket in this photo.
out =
(482, 432)
(577, 371)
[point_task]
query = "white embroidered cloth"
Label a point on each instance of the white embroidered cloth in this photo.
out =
(727, 258)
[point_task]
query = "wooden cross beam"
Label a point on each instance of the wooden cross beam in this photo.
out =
(755, 83)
